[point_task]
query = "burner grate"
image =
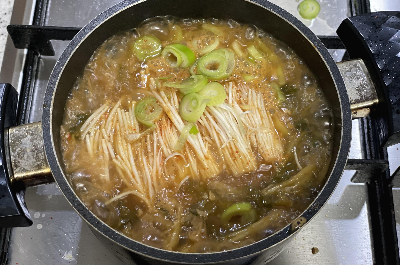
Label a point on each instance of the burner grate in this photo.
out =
(373, 170)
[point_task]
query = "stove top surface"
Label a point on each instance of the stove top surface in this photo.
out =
(339, 234)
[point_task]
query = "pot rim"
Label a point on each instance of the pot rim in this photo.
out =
(214, 257)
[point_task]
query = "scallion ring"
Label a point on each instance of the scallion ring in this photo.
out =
(243, 210)
(147, 47)
(192, 107)
(217, 64)
(210, 47)
(179, 55)
(147, 111)
(192, 84)
(309, 9)
(193, 68)
(215, 92)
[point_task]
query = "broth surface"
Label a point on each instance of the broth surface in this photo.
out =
(268, 146)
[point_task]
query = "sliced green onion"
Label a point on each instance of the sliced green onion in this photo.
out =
(192, 84)
(147, 47)
(293, 184)
(179, 55)
(158, 80)
(280, 126)
(236, 47)
(278, 92)
(210, 47)
(254, 53)
(214, 29)
(281, 76)
(192, 107)
(192, 68)
(244, 210)
(194, 130)
(251, 59)
(215, 92)
(147, 111)
(165, 77)
(248, 78)
(183, 137)
(176, 33)
(289, 89)
(217, 64)
(309, 9)
(266, 50)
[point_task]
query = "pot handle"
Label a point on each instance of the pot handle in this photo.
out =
(27, 158)
(359, 86)
(374, 38)
(22, 161)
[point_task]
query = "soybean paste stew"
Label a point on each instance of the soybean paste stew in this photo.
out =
(196, 135)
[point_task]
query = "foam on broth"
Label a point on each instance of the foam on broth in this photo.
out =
(183, 213)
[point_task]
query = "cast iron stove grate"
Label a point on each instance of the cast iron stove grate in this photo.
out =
(382, 125)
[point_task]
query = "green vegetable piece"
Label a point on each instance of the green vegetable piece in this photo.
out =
(165, 77)
(302, 125)
(289, 90)
(254, 53)
(280, 126)
(147, 47)
(75, 130)
(193, 84)
(192, 68)
(243, 210)
(192, 107)
(294, 184)
(236, 47)
(278, 92)
(261, 225)
(210, 47)
(194, 130)
(217, 64)
(183, 137)
(215, 92)
(147, 111)
(176, 32)
(272, 57)
(251, 60)
(214, 29)
(249, 218)
(281, 76)
(248, 78)
(179, 55)
(309, 9)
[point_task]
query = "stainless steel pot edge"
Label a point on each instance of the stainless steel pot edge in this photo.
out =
(173, 256)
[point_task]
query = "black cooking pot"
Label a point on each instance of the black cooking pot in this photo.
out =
(128, 14)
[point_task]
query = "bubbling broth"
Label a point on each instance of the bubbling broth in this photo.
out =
(196, 135)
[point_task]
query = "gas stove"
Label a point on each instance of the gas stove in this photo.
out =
(360, 224)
